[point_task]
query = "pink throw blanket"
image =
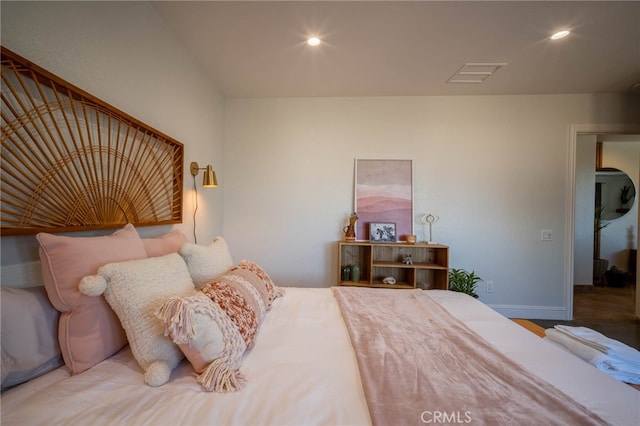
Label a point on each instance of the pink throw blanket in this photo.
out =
(419, 364)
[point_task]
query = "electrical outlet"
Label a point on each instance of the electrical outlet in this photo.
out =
(546, 235)
(489, 286)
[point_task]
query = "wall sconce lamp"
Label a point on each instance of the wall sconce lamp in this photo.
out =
(209, 180)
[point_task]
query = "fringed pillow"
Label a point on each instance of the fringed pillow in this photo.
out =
(220, 331)
(241, 306)
(245, 293)
(209, 340)
(135, 290)
(252, 274)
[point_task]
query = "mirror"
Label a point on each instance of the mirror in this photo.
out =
(615, 193)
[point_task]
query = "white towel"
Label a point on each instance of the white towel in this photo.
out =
(620, 370)
(604, 344)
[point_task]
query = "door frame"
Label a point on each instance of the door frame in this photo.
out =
(574, 131)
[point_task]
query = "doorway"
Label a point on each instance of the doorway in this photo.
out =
(581, 213)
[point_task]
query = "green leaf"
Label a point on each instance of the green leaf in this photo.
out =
(463, 281)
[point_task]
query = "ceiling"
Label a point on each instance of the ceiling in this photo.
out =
(396, 48)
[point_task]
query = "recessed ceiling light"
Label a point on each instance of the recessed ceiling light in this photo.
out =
(560, 34)
(313, 41)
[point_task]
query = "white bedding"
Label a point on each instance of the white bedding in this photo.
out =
(302, 370)
(616, 402)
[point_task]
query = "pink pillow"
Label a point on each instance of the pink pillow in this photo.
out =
(88, 330)
(166, 244)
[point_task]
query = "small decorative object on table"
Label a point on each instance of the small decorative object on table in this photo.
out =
(429, 219)
(389, 280)
(346, 273)
(350, 229)
(411, 239)
(407, 259)
(355, 273)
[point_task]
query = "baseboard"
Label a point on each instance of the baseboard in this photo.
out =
(530, 312)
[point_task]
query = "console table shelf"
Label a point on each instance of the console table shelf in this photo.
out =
(429, 268)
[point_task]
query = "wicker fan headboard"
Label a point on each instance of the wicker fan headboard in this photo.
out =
(72, 162)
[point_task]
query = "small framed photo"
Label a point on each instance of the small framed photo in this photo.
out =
(382, 232)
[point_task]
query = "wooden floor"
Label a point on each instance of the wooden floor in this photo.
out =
(608, 310)
(605, 304)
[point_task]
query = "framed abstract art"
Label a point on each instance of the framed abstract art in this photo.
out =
(383, 194)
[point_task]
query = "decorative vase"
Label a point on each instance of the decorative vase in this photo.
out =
(346, 273)
(349, 233)
(355, 273)
(350, 229)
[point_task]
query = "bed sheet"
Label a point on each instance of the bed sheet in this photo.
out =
(302, 370)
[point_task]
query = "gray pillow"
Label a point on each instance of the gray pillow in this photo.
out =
(29, 341)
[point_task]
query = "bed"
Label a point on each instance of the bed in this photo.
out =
(305, 367)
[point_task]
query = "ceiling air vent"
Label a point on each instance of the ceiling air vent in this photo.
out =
(475, 72)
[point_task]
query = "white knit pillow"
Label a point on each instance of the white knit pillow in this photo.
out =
(206, 263)
(135, 290)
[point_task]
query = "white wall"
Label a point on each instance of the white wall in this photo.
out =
(493, 168)
(122, 53)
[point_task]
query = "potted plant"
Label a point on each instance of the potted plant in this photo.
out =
(598, 222)
(625, 196)
(463, 281)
